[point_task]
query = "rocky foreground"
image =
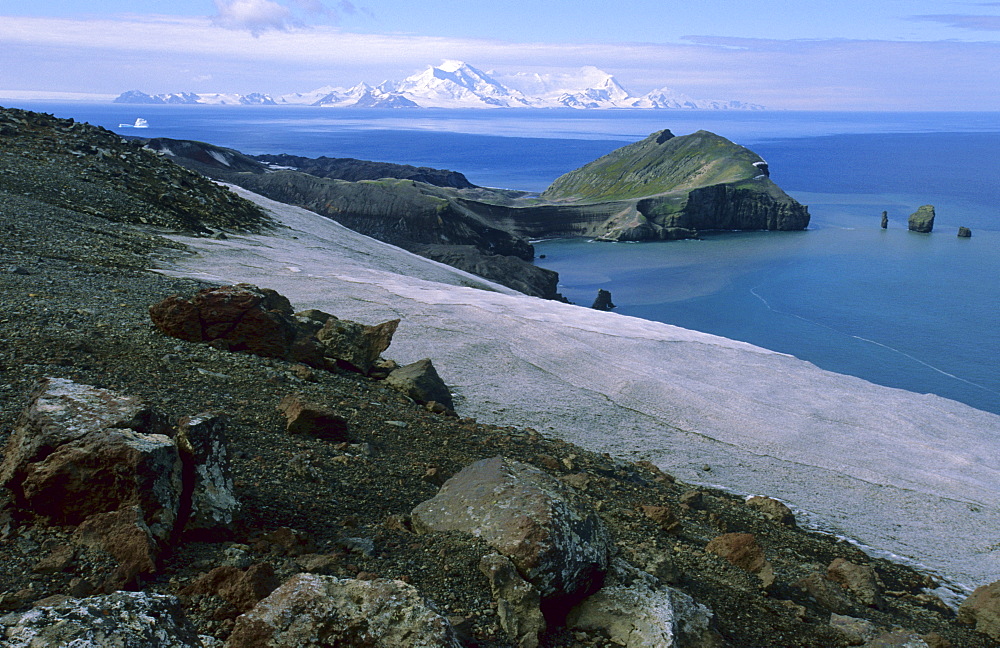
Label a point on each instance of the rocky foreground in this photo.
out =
(248, 476)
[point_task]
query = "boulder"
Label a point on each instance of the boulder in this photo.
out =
(312, 419)
(856, 631)
(663, 516)
(310, 611)
(638, 616)
(772, 509)
(825, 592)
(353, 345)
(421, 382)
(964, 232)
(201, 440)
(860, 580)
(242, 317)
(743, 551)
(922, 220)
(603, 300)
(982, 610)
(518, 602)
(552, 535)
(118, 620)
(106, 471)
(60, 411)
(124, 535)
(240, 588)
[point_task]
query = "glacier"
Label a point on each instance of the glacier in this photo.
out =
(916, 476)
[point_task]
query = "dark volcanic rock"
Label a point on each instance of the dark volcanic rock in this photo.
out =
(603, 300)
(922, 220)
(355, 170)
(506, 270)
(964, 232)
(885, 220)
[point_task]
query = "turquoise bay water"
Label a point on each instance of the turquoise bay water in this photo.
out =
(919, 312)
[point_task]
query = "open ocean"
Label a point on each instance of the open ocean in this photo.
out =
(915, 311)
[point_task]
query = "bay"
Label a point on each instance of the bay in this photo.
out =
(914, 311)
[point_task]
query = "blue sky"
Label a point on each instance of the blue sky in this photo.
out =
(847, 55)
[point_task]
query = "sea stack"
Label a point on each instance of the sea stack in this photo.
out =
(964, 232)
(603, 301)
(922, 220)
(885, 220)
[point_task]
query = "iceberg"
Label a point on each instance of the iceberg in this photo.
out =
(139, 123)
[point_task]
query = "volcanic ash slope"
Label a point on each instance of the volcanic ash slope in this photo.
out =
(914, 475)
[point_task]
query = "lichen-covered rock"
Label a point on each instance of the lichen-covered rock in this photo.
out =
(60, 411)
(860, 580)
(743, 551)
(103, 472)
(119, 620)
(518, 602)
(421, 382)
(201, 440)
(554, 538)
(772, 509)
(982, 610)
(355, 345)
(310, 611)
(638, 616)
(922, 220)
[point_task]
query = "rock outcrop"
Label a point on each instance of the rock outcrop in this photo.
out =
(310, 611)
(603, 300)
(922, 220)
(554, 538)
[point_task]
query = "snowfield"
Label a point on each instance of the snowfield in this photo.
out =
(917, 476)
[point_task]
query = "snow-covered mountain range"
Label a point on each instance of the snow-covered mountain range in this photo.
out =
(455, 84)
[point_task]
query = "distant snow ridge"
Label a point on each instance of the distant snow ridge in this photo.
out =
(455, 84)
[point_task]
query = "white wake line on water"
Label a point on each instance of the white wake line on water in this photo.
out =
(753, 291)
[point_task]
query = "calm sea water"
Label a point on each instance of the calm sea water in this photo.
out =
(919, 312)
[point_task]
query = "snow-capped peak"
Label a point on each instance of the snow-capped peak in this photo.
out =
(456, 84)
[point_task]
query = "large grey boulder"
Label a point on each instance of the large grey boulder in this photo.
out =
(202, 441)
(119, 620)
(922, 220)
(421, 382)
(310, 611)
(552, 535)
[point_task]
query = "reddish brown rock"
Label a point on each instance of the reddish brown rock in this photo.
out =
(58, 559)
(125, 536)
(982, 610)
(664, 516)
(860, 580)
(551, 534)
(240, 588)
(60, 411)
(311, 419)
(743, 551)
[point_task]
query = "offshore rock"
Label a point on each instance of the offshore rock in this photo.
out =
(603, 300)
(885, 220)
(310, 611)
(922, 220)
(421, 382)
(118, 620)
(554, 538)
(964, 232)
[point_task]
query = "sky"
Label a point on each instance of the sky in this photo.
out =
(784, 54)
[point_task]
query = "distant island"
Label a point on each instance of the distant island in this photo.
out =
(455, 84)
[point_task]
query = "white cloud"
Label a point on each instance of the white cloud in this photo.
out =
(255, 16)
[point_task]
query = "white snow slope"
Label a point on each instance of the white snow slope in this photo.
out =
(914, 475)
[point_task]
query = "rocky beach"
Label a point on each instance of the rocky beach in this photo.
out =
(625, 450)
